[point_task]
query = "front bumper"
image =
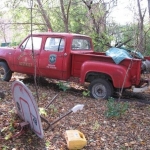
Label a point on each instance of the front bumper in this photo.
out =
(141, 89)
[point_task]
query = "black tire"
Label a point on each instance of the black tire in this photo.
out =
(5, 72)
(101, 89)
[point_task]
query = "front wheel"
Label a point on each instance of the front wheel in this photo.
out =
(100, 89)
(5, 72)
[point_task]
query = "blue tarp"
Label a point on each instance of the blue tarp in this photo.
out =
(118, 54)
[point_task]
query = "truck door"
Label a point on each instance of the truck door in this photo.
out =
(51, 57)
(25, 57)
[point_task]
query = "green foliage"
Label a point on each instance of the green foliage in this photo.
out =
(77, 18)
(127, 32)
(101, 41)
(19, 14)
(131, 31)
(63, 86)
(8, 130)
(42, 111)
(115, 109)
(8, 136)
(11, 126)
(47, 144)
(86, 93)
(147, 43)
(54, 110)
(4, 147)
(96, 125)
(80, 20)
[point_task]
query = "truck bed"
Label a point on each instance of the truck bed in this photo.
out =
(132, 65)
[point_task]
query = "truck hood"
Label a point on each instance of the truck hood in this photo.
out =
(4, 51)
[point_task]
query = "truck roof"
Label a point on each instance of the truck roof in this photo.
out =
(60, 33)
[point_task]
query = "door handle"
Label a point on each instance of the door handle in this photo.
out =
(65, 54)
(62, 55)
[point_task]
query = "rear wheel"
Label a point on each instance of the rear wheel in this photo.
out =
(101, 89)
(5, 72)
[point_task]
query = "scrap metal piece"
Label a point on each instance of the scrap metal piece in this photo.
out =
(23, 126)
(142, 89)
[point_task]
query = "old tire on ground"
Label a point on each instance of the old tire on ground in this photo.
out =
(5, 72)
(100, 89)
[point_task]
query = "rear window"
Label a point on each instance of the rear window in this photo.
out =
(81, 44)
(54, 44)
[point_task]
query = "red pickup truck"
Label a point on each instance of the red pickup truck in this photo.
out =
(65, 55)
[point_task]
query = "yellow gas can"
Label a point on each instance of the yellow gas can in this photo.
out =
(75, 139)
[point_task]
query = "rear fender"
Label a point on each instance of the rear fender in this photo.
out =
(116, 72)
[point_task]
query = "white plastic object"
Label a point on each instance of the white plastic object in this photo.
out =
(142, 89)
(77, 107)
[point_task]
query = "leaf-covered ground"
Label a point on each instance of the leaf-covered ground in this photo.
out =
(130, 132)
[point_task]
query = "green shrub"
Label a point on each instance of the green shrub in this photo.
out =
(86, 93)
(115, 109)
(63, 86)
(42, 111)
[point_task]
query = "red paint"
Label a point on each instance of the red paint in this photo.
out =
(71, 62)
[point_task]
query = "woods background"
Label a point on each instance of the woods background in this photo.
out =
(90, 17)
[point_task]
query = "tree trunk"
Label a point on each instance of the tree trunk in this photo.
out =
(43, 12)
(89, 7)
(149, 8)
(65, 15)
(141, 28)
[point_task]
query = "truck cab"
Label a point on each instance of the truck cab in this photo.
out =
(50, 52)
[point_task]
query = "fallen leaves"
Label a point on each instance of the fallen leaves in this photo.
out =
(132, 131)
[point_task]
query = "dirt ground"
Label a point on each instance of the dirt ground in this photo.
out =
(129, 132)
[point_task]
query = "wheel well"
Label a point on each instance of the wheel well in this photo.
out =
(2, 60)
(96, 75)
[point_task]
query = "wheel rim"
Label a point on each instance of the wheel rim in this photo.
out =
(2, 72)
(99, 91)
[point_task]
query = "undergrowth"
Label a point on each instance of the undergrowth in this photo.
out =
(115, 109)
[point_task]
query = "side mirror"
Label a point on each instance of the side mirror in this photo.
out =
(22, 48)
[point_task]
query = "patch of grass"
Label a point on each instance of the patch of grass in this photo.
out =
(54, 110)
(63, 86)
(42, 111)
(4, 147)
(86, 93)
(9, 130)
(115, 109)
(96, 125)
(47, 144)
(125, 148)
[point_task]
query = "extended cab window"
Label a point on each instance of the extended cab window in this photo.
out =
(27, 44)
(54, 44)
(80, 44)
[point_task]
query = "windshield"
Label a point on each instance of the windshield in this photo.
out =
(36, 41)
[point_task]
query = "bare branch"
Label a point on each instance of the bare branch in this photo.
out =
(23, 23)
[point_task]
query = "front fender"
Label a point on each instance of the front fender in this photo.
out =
(116, 72)
(7, 55)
